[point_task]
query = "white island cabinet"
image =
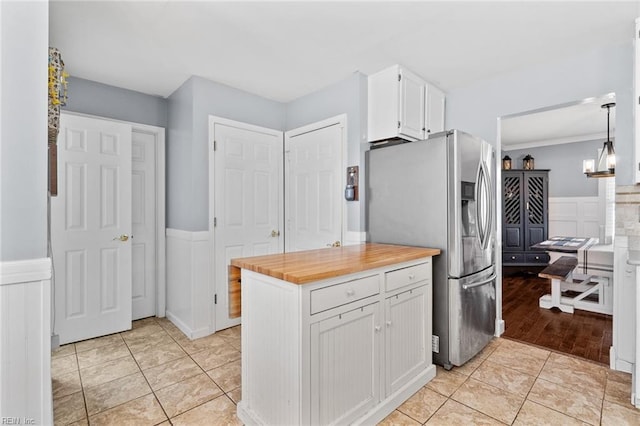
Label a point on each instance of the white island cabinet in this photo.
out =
(334, 336)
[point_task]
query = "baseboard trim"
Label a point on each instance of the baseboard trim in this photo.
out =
(191, 334)
(178, 323)
(619, 364)
(353, 237)
(24, 271)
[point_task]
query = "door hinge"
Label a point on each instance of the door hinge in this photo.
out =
(215, 299)
(399, 77)
(215, 145)
(398, 124)
(215, 222)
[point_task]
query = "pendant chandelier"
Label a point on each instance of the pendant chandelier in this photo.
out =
(606, 165)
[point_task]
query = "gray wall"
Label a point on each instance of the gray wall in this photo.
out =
(24, 48)
(347, 96)
(565, 162)
(90, 97)
(606, 69)
(189, 108)
(179, 146)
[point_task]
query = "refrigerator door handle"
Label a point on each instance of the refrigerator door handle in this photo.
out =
(479, 224)
(484, 205)
(490, 206)
(479, 284)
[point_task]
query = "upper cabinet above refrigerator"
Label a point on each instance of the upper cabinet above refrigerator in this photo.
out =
(403, 105)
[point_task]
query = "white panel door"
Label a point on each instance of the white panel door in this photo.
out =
(247, 202)
(90, 225)
(143, 219)
(314, 189)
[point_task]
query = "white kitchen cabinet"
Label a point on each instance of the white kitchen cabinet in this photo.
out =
(434, 110)
(411, 103)
(407, 339)
(622, 353)
(345, 356)
(403, 105)
(343, 350)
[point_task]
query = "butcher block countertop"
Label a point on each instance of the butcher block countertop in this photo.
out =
(303, 267)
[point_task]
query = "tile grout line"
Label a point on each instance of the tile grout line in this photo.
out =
(526, 397)
(488, 384)
(145, 379)
(84, 396)
(201, 369)
(140, 370)
(560, 385)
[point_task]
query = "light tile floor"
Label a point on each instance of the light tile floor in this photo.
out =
(153, 374)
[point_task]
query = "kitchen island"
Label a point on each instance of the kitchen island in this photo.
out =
(334, 336)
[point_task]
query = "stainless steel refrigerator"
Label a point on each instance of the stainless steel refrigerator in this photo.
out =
(439, 193)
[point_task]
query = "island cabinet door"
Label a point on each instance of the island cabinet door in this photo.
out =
(345, 353)
(407, 336)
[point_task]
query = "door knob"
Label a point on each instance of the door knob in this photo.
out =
(275, 233)
(123, 237)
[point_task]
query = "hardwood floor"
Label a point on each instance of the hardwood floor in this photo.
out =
(584, 334)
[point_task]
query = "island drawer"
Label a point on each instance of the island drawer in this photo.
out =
(406, 276)
(343, 293)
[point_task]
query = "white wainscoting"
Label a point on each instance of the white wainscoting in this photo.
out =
(189, 301)
(25, 336)
(575, 216)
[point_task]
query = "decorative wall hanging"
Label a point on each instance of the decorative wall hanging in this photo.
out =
(57, 90)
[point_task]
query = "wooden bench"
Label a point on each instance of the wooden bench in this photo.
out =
(562, 276)
(561, 269)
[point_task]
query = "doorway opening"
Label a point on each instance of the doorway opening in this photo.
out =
(551, 209)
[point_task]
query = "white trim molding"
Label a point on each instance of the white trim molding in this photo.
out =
(354, 237)
(25, 333)
(22, 271)
(188, 301)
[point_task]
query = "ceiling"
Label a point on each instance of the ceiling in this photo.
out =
(580, 121)
(284, 50)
